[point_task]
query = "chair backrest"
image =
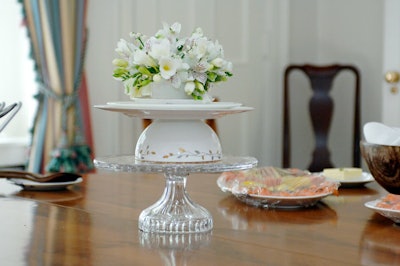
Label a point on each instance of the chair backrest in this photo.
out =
(321, 107)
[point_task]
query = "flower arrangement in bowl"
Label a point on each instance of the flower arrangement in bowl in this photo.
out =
(189, 65)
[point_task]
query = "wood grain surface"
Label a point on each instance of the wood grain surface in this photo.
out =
(96, 223)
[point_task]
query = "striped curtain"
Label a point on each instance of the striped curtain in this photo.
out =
(61, 134)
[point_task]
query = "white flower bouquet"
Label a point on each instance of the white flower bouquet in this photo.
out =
(191, 64)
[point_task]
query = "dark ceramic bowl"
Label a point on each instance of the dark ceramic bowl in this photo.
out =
(384, 164)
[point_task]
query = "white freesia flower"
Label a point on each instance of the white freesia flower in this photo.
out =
(157, 78)
(176, 28)
(228, 66)
(218, 62)
(191, 64)
(120, 62)
(124, 49)
(215, 50)
(168, 67)
(197, 33)
(142, 58)
(169, 31)
(160, 49)
(189, 87)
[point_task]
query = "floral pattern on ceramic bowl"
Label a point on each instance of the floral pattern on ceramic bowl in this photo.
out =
(178, 141)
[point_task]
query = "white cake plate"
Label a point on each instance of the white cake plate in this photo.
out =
(175, 111)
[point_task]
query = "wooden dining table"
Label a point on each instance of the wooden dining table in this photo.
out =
(96, 223)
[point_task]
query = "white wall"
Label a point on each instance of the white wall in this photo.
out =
(341, 31)
(246, 29)
(280, 31)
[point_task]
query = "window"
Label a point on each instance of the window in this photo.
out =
(17, 78)
(17, 68)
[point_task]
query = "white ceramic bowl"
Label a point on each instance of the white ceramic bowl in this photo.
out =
(178, 141)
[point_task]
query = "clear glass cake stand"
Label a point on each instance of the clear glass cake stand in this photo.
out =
(175, 211)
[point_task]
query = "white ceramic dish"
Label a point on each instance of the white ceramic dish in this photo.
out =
(181, 104)
(172, 111)
(365, 178)
(393, 215)
(31, 185)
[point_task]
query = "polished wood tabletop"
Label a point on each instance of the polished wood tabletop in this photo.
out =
(96, 223)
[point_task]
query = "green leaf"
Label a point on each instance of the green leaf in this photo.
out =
(220, 78)
(119, 72)
(153, 70)
(211, 76)
(144, 71)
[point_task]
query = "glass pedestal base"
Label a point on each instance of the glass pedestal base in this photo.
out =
(175, 212)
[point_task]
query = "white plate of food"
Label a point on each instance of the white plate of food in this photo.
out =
(388, 206)
(272, 187)
(32, 185)
(353, 182)
(365, 178)
(348, 177)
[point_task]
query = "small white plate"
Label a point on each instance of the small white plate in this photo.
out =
(31, 185)
(365, 178)
(181, 105)
(168, 101)
(393, 215)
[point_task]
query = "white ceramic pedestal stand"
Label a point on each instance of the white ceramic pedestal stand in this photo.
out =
(175, 211)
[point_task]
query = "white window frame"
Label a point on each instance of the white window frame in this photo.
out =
(17, 84)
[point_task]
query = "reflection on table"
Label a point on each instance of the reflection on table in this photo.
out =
(96, 223)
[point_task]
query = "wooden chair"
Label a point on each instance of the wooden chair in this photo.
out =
(321, 107)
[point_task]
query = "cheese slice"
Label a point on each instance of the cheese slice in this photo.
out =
(342, 173)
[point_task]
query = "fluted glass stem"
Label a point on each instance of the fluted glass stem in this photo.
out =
(175, 212)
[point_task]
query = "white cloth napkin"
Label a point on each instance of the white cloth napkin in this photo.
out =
(379, 133)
